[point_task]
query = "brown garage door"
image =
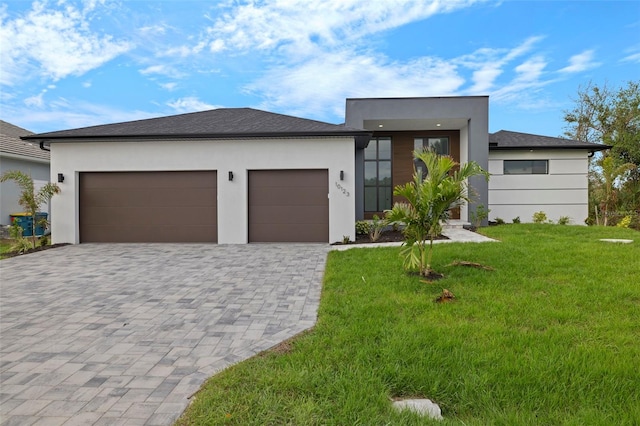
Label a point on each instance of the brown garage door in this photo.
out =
(148, 207)
(288, 206)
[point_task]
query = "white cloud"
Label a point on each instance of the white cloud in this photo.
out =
(217, 45)
(163, 69)
(634, 57)
(35, 101)
(308, 88)
(490, 63)
(530, 70)
(528, 79)
(296, 25)
(158, 29)
(190, 104)
(318, 86)
(580, 62)
(52, 42)
(63, 113)
(154, 69)
(169, 86)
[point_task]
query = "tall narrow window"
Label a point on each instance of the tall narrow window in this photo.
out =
(438, 145)
(378, 189)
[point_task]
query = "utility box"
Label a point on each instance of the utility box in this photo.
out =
(24, 221)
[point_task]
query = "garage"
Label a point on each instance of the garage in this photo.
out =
(136, 207)
(288, 206)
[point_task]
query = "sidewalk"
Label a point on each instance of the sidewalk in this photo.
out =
(455, 235)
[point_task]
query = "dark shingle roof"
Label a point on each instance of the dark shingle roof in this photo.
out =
(505, 140)
(11, 144)
(216, 123)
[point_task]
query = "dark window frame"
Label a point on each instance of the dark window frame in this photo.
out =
(520, 167)
(419, 164)
(380, 204)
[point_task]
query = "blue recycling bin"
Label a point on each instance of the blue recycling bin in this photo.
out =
(24, 221)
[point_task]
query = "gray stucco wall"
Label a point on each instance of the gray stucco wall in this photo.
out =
(470, 113)
(10, 192)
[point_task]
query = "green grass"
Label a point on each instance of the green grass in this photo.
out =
(5, 247)
(552, 336)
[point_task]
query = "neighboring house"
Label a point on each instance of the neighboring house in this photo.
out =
(16, 154)
(240, 175)
(532, 173)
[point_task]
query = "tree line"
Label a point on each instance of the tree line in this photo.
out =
(610, 116)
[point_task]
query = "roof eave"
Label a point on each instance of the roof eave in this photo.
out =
(25, 158)
(53, 138)
(516, 148)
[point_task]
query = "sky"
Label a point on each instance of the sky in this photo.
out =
(66, 64)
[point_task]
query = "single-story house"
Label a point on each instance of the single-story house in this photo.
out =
(241, 175)
(16, 154)
(533, 173)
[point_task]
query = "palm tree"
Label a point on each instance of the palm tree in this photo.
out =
(428, 202)
(29, 198)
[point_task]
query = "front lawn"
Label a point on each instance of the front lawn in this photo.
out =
(551, 336)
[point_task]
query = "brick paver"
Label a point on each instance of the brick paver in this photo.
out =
(125, 333)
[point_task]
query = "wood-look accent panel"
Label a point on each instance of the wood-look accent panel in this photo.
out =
(402, 146)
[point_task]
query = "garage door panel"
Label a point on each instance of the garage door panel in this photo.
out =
(152, 197)
(283, 196)
(290, 233)
(167, 216)
(270, 215)
(148, 207)
(163, 179)
(288, 206)
(275, 178)
(149, 234)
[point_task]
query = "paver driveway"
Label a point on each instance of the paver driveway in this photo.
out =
(124, 334)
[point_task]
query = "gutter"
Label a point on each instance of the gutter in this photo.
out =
(259, 135)
(556, 147)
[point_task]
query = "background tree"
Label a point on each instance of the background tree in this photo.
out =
(428, 202)
(607, 174)
(29, 198)
(611, 117)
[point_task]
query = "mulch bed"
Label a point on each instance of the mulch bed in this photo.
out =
(37, 249)
(386, 237)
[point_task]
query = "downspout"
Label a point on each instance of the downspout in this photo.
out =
(42, 147)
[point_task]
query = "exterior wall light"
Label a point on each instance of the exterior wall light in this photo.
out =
(60, 177)
(341, 174)
(230, 176)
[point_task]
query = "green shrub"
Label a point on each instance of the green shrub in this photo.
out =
(362, 227)
(516, 219)
(480, 214)
(499, 221)
(45, 240)
(625, 222)
(564, 220)
(539, 217)
(20, 244)
(376, 228)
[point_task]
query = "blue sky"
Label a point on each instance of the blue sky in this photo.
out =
(67, 64)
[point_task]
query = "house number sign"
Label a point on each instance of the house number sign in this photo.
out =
(342, 189)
